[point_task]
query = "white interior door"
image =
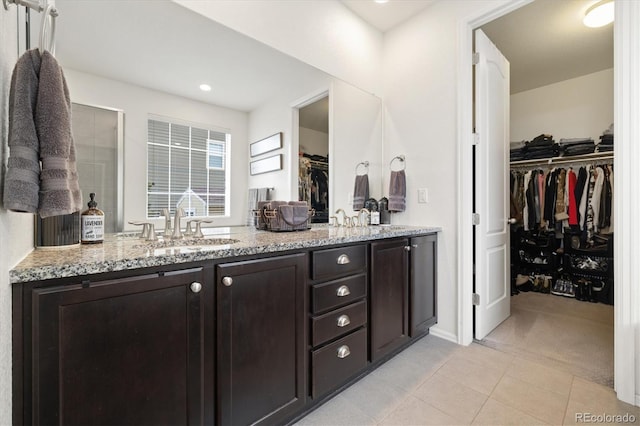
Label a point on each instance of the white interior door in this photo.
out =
(492, 257)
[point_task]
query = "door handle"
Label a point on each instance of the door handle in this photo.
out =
(512, 221)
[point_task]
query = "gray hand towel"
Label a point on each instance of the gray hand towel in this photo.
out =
(397, 191)
(59, 189)
(22, 181)
(40, 131)
(360, 191)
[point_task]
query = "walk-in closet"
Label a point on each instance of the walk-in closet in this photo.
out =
(561, 186)
(313, 158)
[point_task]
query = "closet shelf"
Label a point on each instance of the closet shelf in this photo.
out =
(596, 156)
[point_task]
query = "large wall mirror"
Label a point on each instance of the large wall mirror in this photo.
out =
(148, 59)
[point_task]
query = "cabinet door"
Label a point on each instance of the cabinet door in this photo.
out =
(389, 296)
(126, 351)
(423, 284)
(261, 310)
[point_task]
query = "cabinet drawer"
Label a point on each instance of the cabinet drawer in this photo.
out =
(338, 261)
(338, 322)
(336, 363)
(336, 293)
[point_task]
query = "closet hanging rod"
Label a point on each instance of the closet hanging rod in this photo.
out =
(592, 157)
(31, 4)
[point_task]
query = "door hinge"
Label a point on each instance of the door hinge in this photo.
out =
(476, 299)
(475, 59)
(475, 219)
(476, 139)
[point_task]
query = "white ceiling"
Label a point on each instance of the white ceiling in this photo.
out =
(546, 42)
(385, 16)
(164, 46)
(170, 48)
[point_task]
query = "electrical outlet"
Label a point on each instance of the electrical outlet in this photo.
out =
(423, 195)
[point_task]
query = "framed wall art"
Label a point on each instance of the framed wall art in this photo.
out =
(265, 165)
(268, 144)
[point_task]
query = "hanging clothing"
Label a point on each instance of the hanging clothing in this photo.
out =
(573, 208)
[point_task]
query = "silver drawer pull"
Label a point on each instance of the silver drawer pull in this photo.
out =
(344, 351)
(227, 281)
(343, 259)
(343, 321)
(195, 287)
(342, 291)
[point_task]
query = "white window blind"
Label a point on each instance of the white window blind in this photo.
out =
(186, 167)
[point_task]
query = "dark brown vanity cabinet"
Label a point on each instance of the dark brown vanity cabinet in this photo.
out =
(261, 340)
(389, 296)
(122, 351)
(423, 278)
(403, 299)
(338, 316)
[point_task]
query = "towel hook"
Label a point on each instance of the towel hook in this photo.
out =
(399, 158)
(366, 166)
(50, 14)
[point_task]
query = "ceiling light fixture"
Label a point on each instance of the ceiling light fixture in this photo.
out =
(381, 1)
(205, 87)
(599, 14)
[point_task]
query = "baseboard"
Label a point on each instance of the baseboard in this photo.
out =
(435, 331)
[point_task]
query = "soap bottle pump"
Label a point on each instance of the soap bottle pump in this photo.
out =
(92, 221)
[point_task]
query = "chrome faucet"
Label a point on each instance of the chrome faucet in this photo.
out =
(167, 222)
(367, 214)
(345, 218)
(177, 233)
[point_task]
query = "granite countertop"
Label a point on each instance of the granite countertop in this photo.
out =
(126, 251)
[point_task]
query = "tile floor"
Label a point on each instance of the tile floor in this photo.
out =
(436, 382)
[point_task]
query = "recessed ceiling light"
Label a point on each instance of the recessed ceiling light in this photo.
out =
(205, 87)
(599, 14)
(381, 1)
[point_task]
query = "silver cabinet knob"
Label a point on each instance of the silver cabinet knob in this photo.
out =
(343, 259)
(227, 281)
(414, 245)
(342, 291)
(512, 221)
(195, 287)
(407, 248)
(343, 321)
(344, 351)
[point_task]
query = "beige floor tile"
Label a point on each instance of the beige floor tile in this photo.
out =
(533, 400)
(374, 396)
(413, 411)
(404, 373)
(477, 375)
(541, 375)
(496, 413)
(486, 356)
(589, 397)
(451, 397)
(580, 413)
(336, 412)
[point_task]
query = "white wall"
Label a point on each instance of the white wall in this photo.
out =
(314, 142)
(579, 107)
(322, 33)
(355, 135)
(420, 96)
(137, 102)
(16, 229)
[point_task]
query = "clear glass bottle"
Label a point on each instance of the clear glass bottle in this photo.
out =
(92, 221)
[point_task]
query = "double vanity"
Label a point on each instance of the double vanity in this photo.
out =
(239, 327)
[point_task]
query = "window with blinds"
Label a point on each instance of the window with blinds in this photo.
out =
(187, 168)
